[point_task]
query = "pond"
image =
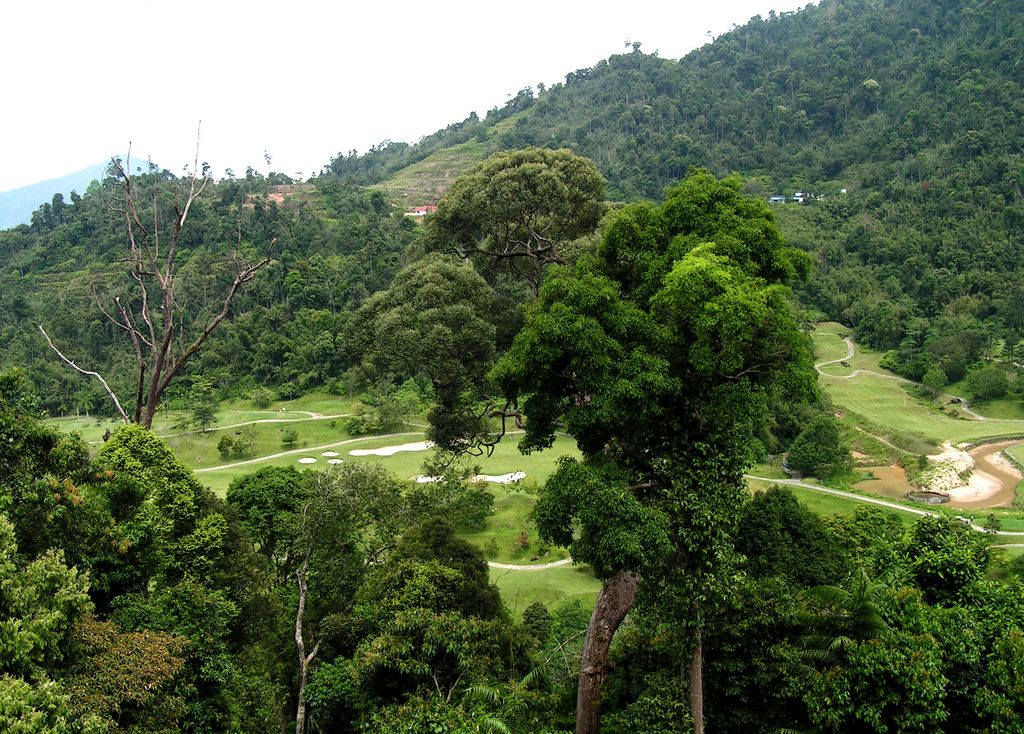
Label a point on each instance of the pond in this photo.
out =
(993, 484)
(889, 481)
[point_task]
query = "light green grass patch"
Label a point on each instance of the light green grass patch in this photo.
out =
(771, 471)
(425, 181)
(509, 519)
(91, 429)
(1016, 452)
(824, 504)
(552, 586)
(888, 403)
(827, 339)
(199, 450)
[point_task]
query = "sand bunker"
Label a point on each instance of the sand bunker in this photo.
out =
(980, 486)
(329, 453)
(509, 478)
(514, 476)
(392, 450)
(307, 460)
(335, 461)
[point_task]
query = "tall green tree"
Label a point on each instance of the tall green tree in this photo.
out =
(819, 450)
(518, 210)
(433, 322)
(658, 354)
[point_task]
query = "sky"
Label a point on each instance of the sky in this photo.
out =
(297, 80)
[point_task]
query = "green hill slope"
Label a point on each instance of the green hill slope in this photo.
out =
(906, 118)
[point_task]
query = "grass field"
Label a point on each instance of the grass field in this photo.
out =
(425, 181)
(829, 504)
(889, 402)
(229, 413)
(551, 586)
(827, 339)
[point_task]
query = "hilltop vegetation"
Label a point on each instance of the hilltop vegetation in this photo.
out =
(914, 109)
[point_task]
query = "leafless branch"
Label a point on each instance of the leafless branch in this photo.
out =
(97, 375)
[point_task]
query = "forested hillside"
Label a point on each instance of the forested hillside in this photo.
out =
(913, 109)
(331, 246)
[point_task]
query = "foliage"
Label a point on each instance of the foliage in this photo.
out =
(779, 536)
(267, 502)
(517, 210)
(903, 117)
(988, 383)
(946, 559)
(452, 494)
(335, 246)
(431, 323)
(126, 679)
(819, 450)
(35, 709)
(39, 604)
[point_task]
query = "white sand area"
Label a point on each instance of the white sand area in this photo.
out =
(979, 487)
(392, 450)
(307, 460)
(514, 476)
(509, 478)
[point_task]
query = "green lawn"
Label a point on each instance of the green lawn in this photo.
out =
(1010, 407)
(888, 403)
(199, 450)
(229, 413)
(829, 504)
(827, 339)
(90, 428)
(1017, 452)
(520, 589)
(896, 404)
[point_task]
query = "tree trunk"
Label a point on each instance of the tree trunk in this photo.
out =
(304, 659)
(613, 603)
(697, 685)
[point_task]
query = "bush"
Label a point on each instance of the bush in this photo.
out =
(289, 436)
(522, 541)
(262, 397)
(365, 419)
(819, 450)
(988, 383)
(243, 443)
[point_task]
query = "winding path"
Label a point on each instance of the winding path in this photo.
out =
(851, 351)
(873, 501)
(538, 567)
(305, 450)
(312, 417)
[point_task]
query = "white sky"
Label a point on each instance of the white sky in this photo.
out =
(298, 79)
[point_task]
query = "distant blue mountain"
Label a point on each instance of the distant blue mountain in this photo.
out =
(17, 205)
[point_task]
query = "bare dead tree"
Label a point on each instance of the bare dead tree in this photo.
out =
(153, 316)
(305, 659)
